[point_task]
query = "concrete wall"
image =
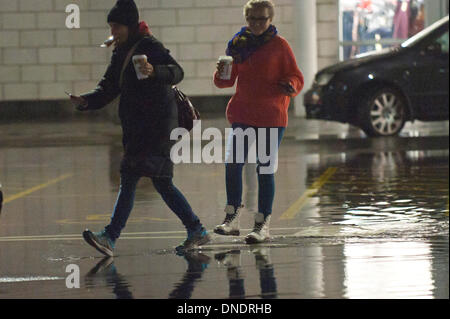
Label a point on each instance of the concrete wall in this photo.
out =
(40, 58)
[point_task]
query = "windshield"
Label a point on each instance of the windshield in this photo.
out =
(419, 36)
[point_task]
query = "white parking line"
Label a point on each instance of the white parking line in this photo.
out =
(134, 235)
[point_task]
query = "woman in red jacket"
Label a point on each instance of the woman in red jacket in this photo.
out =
(267, 77)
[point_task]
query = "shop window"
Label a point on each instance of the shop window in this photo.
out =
(367, 25)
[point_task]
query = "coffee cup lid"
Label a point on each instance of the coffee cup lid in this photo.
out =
(225, 58)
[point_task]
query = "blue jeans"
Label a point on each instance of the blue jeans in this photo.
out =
(234, 165)
(169, 193)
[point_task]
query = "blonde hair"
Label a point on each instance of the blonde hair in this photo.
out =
(252, 4)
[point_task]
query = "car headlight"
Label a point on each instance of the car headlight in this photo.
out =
(324, 78)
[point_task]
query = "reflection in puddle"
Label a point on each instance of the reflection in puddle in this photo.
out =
(389, 211)
(105, 273)
(231, 260)
(386, 194)
(196, 265)
(395, 270)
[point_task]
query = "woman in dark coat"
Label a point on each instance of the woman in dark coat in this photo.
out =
(148, 114)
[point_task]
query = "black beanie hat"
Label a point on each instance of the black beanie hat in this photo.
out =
(124, 12)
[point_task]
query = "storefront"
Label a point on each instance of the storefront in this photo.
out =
(367, 25)
(342, 29)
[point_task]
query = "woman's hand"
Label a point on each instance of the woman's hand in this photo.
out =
(79, 102)
(147, 69)
(286, 88)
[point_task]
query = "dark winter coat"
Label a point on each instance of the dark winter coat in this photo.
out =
(147, 108)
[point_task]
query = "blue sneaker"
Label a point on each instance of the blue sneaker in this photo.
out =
(100, 241)
(194, 239)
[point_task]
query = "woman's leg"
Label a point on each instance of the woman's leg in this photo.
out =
(266, 171)
(236, 154)
(197, 234)
(124, 205)
(233, 180)
(177, 202)
(269, 140)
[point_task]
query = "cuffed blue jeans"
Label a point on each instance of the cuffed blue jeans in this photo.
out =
(169, 193)
(265, 146)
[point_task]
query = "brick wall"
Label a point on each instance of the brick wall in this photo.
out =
(40, 58)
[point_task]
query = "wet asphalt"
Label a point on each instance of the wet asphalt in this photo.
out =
(354, 217)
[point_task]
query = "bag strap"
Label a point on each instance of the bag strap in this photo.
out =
(126, 61)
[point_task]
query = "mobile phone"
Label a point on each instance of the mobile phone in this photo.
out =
(287, 86)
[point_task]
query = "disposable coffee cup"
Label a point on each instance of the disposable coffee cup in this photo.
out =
(138, 61)
(227, 67)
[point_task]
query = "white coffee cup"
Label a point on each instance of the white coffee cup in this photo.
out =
(138, 61)
(228, 65)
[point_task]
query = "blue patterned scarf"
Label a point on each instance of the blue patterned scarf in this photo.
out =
(245, 43)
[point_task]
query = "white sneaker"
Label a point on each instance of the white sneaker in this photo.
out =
(230, 225)
(260, 231)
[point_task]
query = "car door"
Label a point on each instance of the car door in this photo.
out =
(431, 79)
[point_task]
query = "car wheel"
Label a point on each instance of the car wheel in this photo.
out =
(383, 113)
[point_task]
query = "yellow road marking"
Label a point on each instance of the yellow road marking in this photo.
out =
(295, 208)
(36, 188)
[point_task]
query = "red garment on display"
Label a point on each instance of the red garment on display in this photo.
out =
(401, 20)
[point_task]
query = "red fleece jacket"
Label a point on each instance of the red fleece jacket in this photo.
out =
(258, 100)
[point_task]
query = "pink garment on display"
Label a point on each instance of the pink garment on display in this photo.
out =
(401, 20)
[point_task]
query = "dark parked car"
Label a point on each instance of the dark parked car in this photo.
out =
(380, 91)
